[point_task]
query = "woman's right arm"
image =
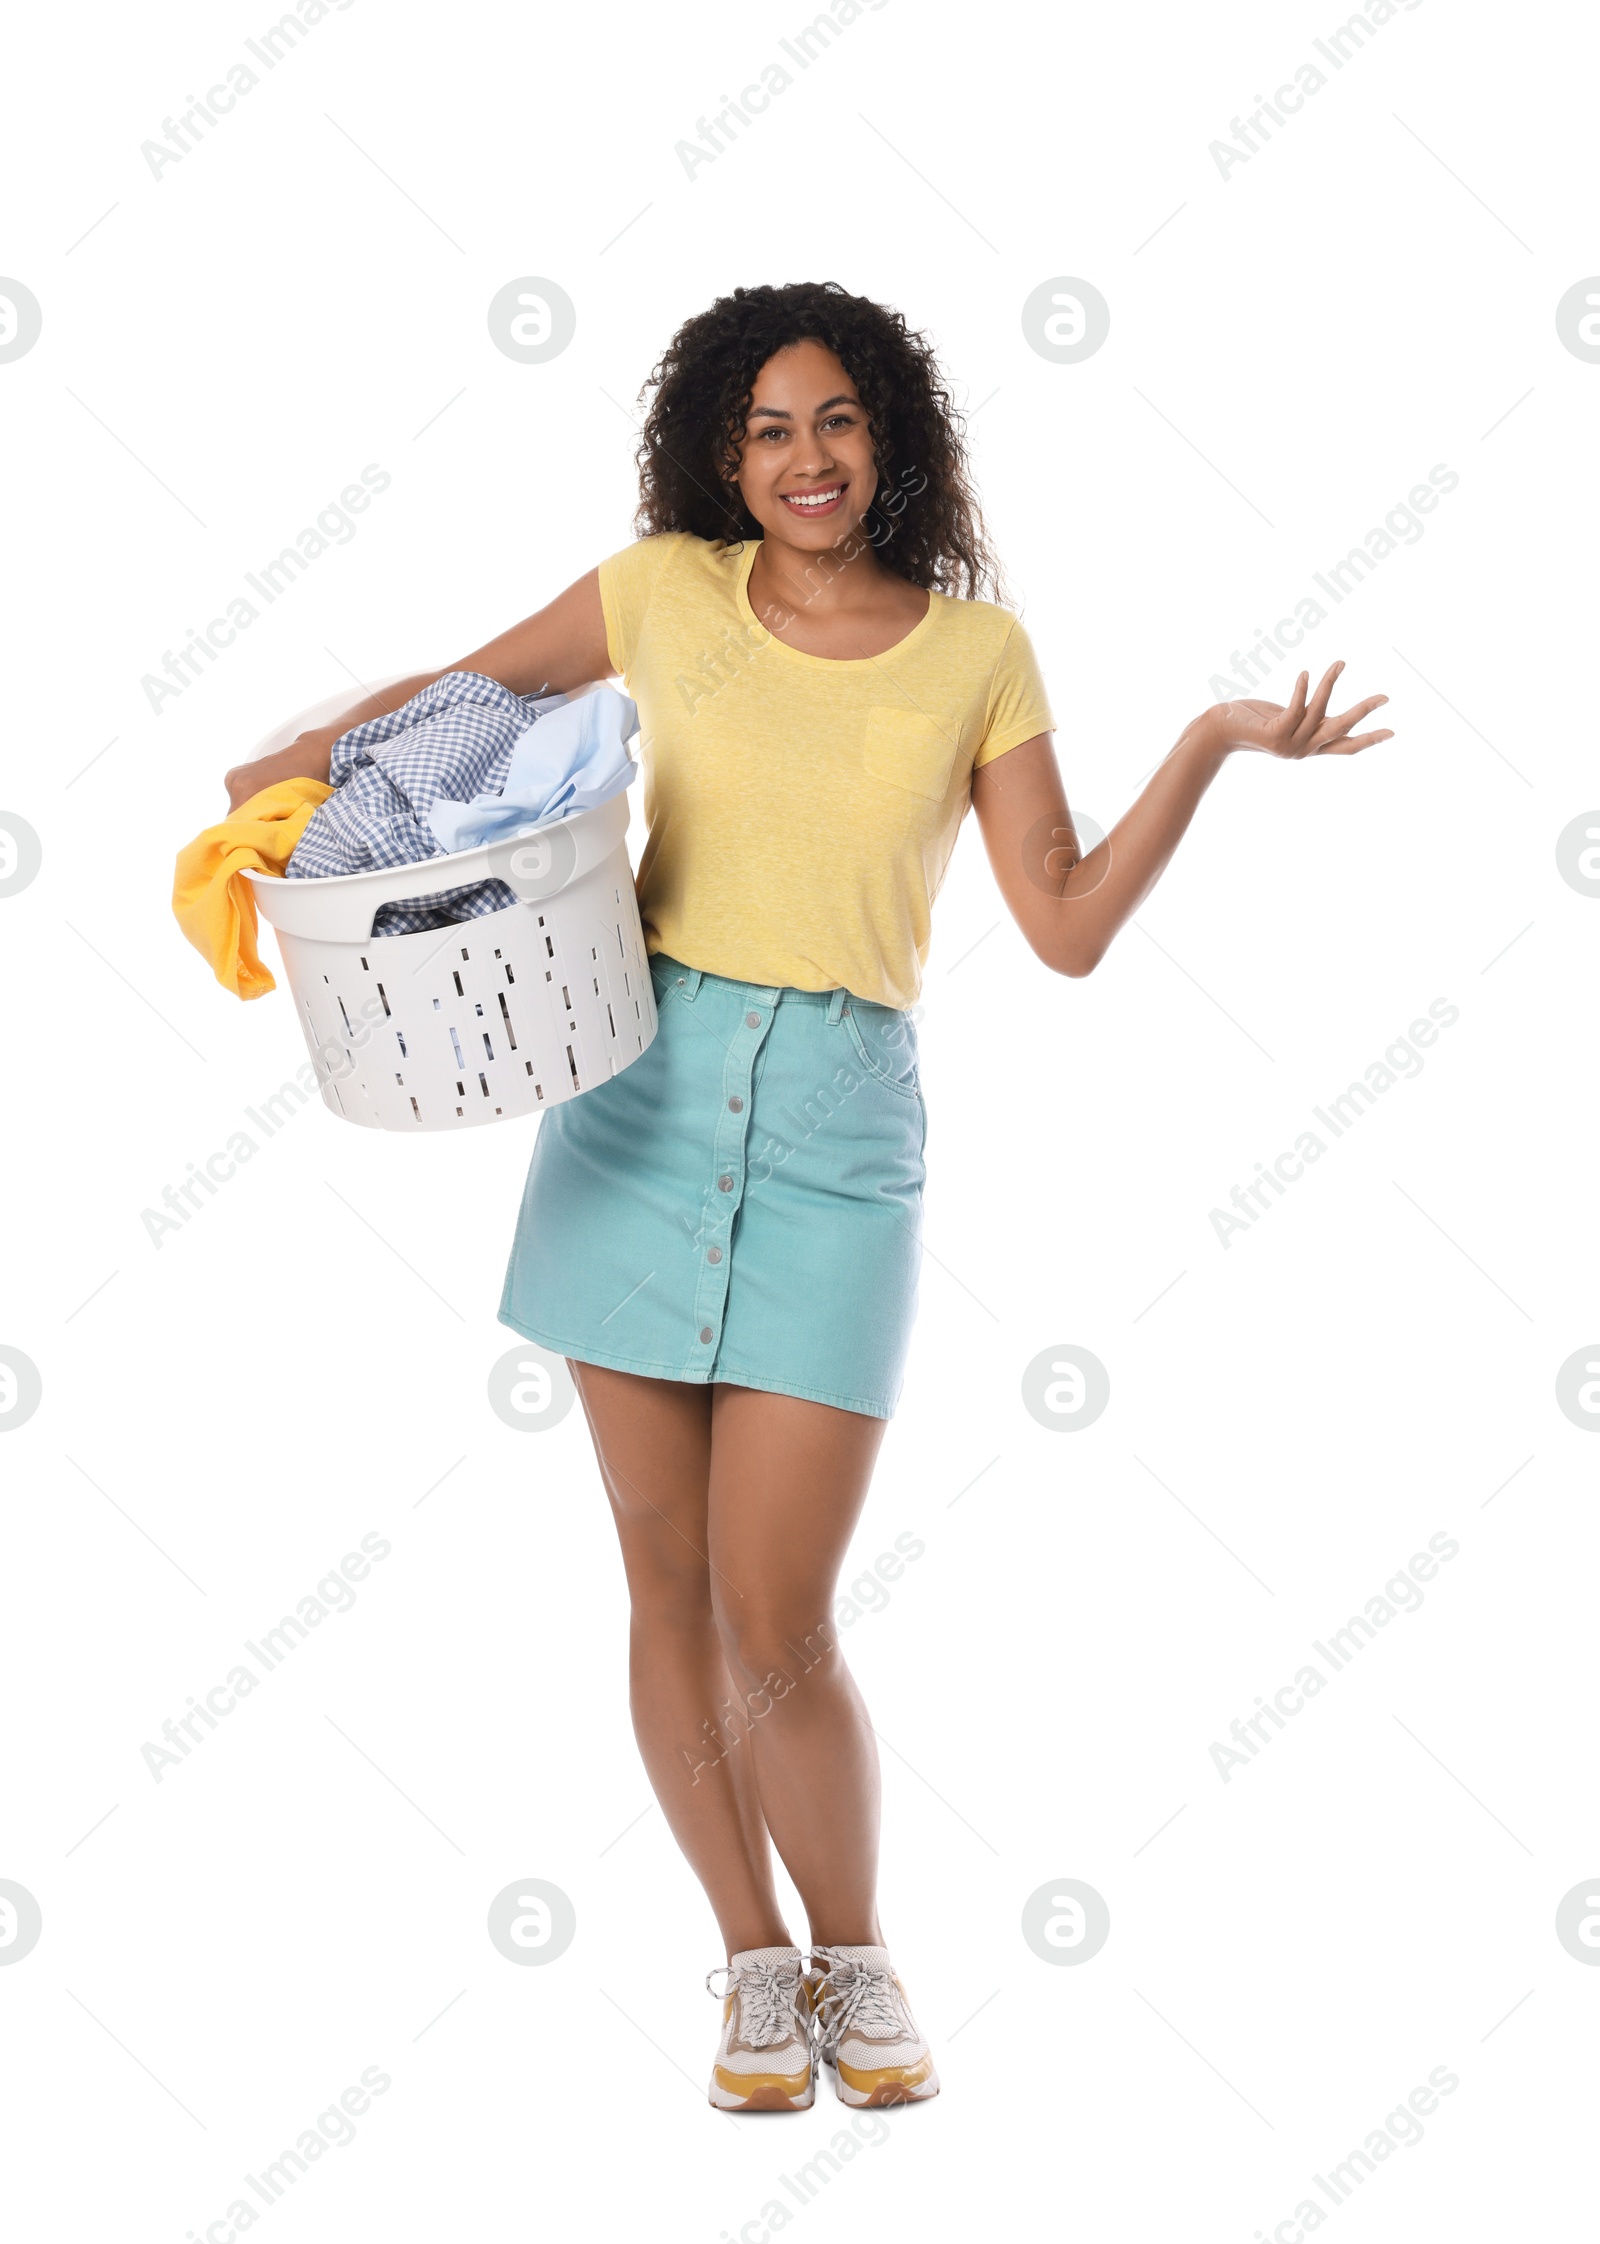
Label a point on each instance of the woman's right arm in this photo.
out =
(557, 650)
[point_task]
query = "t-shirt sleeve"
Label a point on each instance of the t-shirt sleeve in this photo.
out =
(1018, 707)
(627, 583)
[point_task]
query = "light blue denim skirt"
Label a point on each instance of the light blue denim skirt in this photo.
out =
(743, 1202)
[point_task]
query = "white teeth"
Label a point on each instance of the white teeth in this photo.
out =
(816, 498)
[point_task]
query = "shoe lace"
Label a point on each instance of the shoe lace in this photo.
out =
(850, 1993)
(769, 1997)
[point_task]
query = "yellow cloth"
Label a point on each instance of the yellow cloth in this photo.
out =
(210, 894)
(802, 811)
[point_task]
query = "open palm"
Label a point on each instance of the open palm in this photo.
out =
(1303, 729)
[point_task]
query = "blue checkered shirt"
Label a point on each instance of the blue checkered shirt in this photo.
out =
(453, 739)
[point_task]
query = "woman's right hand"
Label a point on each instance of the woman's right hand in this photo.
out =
(306, 757)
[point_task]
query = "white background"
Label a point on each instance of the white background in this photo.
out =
(1292, 1415)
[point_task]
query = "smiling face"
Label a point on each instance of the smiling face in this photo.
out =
(806, 470)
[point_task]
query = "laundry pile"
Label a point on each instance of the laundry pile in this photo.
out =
(464, 762)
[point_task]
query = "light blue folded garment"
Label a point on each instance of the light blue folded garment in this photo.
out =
(572, 759)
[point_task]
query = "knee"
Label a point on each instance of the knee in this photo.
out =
(666, 1592)
(668, 1578)
(769, 1647)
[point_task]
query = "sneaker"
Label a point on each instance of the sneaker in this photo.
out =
(763, 2061)
(865, 2029)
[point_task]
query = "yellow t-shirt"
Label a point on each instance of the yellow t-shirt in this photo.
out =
(802, 811)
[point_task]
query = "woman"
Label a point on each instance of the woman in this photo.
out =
(723, 1240)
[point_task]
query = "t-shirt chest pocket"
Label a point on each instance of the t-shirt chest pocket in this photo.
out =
(905, 748)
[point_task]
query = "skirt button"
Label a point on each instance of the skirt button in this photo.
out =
(705, 1332)
(736, 1105)
(724, 1184)
(752, 1020)
(713, 1254)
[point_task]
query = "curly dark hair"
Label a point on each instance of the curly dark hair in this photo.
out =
(699, 395)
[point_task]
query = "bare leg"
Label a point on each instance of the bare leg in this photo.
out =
(653, 1441)
(788, 1479)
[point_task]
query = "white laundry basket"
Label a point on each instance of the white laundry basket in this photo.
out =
(492, 1017)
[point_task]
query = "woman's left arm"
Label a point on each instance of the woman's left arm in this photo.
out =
(1069, 905)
